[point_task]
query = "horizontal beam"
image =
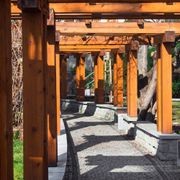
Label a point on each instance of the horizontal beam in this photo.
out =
(115, 28)
(110, 1)
(94, 40)
(87, 48)
(110, 10)
(125, 8)
(116, 16)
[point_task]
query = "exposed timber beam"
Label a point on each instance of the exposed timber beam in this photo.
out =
(110, 10)
(115, 28)
(94, 40)
(80, 16)
(87, 48)
(110, 1)
(126, 8)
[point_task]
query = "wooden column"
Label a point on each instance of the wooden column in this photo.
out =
(6, 154)
(132, 83)
(119, 64)
(158, 90)
(164, 86)
(80, 77)
(99, 80)
(95, 75)
(51, 93)
(58, 99)
(34, 63)
(63, 77)
(115, 82)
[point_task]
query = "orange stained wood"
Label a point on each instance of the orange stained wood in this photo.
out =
(63, 76)
(58, 104)
(158, 94)
(35, 124)
(51, 97)
(165, 104)
(115, 28)
(125, 8)
(115, 82)
(108, 1)
(132, 84)
(88, 47)
(119, 68)
(99, 91)
(6, 144)
(80, 77)
(95, 74)
(115, 8)
(94, 40)
(128, 81)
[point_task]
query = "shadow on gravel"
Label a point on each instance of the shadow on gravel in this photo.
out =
(93, 140)
(123, 168)
(81, 125)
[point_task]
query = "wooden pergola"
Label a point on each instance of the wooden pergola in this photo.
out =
(45, 46)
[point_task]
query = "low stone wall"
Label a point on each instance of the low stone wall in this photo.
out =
(104, 111)
(164, 146)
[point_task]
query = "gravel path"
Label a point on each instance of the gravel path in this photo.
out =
(99, 151)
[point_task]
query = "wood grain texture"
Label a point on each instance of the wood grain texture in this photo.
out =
(6, 154)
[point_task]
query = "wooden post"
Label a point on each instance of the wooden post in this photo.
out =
(166, 88)
(95, 75)
(63, 77)
(164, 82)
(128, 81)
(158, 90)
(115, 82)
(80, 77)
(51, 95)
(58, 99)
(99, 80)
(132, 83)
(119, 64)
(6, 154)
(34, 63)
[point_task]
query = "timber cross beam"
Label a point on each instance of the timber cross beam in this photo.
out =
(127, 10)
(115, 28)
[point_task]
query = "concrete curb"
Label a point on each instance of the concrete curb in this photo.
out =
(57, 173)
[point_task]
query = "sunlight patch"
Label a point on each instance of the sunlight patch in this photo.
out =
(133, 168)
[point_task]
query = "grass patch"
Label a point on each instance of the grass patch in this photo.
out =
(176, 112)
(18, 157)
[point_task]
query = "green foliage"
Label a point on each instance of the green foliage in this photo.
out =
(18, 157)
(176, 112)
(176, 89)
(150, 52)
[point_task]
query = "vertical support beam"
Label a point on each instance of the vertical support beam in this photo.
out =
(58, 99)
(35, 124)
(159, 90)
(164, 82)
(6, 154)
(99, 91)
(51, 97)
(80, 77)
(119, 64)
(95, 74)
(165, 99)
(128, 80)
(63, 77)
(132, 83)
(115, 81)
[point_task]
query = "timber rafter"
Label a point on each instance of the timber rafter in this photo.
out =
(115, 28)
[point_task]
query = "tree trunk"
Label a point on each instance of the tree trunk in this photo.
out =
(147, 82)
